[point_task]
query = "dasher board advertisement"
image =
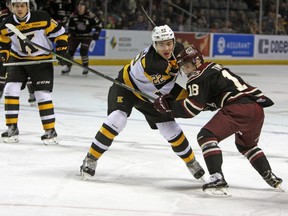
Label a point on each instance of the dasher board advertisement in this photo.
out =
(233, 45)
(126, 44)
(271, 47)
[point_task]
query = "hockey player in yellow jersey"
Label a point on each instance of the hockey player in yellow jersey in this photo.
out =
(153, 72)
(40, 29)
(5, 12)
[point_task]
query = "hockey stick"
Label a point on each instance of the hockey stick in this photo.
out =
(25, 39)
(28, 62)
(145, 13)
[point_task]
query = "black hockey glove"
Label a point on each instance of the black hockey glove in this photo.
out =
(162, 103)
(63, 51)
(3, 58)
(95, 36)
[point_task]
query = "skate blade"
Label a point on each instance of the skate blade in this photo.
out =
(52, 141)
(217, 192)
(202, 179)
(280, 188)
(85, 176)
(13, 139)
(65, 73)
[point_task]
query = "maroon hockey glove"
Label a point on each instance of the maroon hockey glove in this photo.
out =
(162, 103)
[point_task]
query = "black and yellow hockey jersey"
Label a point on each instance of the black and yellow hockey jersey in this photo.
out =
(40, 28)
(152, 74)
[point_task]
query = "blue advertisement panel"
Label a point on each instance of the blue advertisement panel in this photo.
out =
(233, 45)
(97, 48)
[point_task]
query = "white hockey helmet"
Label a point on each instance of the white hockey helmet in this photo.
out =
(20, 1)
(162, 33)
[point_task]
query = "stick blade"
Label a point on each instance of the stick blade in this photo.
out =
(16, 31)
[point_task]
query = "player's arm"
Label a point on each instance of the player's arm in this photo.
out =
(189, 106)
(97, 25)
(57, 34)
(5, 44)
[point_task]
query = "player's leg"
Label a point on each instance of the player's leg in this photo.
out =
(172, 132)
(12, 106)
(73, 44)
(120, 104)
(31, 99)
(84, 49)
(15, 78)
(43, 96)
(247, 144)
(2, 80)
(216, 184)
(47, 115)
(218, 128)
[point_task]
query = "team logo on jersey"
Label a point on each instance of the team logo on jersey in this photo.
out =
(119, 99)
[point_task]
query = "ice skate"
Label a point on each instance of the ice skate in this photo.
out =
(32, 99)
(50, 137)
(11, 135)
(195, 168)
(216, 186)
(66, 70)
(85, 72)
(272, 179)
(87, 170)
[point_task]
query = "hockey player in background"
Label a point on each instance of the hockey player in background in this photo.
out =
(83, 27)
(5, 12)
(240, 112)
(59, 10)
(153, 71)
(39, 28)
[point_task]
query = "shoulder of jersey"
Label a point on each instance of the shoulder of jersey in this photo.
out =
(40, 15)
(91, 14)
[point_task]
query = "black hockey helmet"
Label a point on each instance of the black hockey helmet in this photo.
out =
(189, 54)
(83, 2)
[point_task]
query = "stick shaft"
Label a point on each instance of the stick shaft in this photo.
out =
(28, 62)
(145, 13)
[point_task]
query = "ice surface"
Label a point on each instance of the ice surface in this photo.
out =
(140, 174)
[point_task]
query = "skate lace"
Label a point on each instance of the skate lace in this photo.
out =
(12, 130)
(89, 163)
(49, 133)
(271, 179)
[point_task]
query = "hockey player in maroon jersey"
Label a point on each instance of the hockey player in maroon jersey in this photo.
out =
(240, 112)
(153, 71)
(40, 28)
(80, 28)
